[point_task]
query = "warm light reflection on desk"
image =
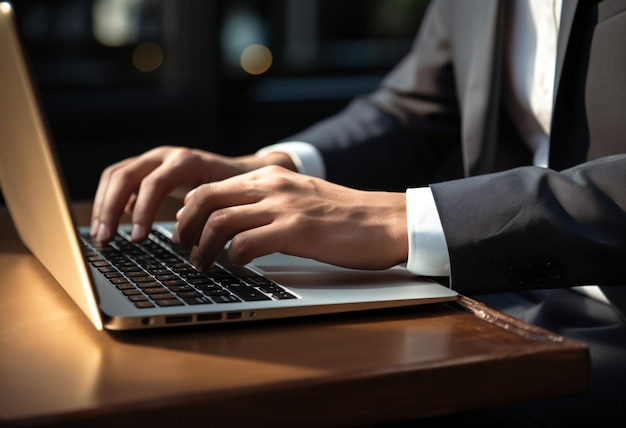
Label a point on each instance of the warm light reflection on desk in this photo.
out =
(72, 356)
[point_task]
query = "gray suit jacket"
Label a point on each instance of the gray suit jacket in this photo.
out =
(438, 120)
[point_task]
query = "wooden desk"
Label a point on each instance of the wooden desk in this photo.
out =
(356, 369)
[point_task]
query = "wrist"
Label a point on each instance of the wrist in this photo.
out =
(256, 161)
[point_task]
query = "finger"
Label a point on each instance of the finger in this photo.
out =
(153, 188)
(117, 193)
(221, 226)
(130, 205)
(204, 200)
(260, 241)
(100, 196)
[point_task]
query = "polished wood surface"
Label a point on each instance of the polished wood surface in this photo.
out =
(354, 369)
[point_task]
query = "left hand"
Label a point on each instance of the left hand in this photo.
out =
(273, 209)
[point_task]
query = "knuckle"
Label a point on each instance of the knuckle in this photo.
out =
(202, 193)
(162, 150)
(180, 153)
(124, 175)
(169, 154)
(273, 169)
(152, 181)
(281, 183)
(109, 170)
(218, 220)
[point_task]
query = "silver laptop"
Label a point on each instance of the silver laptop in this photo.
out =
(154, 285)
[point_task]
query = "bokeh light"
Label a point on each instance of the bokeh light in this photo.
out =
(256, 59)
(147, 57)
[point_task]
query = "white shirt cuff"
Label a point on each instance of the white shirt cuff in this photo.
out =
(305, 156)
(428, 251)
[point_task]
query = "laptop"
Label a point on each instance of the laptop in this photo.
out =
(127, 286)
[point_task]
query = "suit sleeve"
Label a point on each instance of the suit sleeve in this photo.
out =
(531, 227)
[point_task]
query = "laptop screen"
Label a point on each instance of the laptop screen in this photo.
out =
(32, 185)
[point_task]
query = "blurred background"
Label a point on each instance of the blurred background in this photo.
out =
(117, 77)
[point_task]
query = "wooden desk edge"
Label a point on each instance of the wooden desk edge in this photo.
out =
(514, 325)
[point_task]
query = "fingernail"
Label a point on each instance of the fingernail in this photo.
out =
(196, 262)
(175, 236)
(94, 227)
(138, 232)
(103, 233)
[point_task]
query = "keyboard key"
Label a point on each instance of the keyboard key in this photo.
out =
(173, 282)
(113, 274)
(149, 284)
(144, 304)
(186, 294)
(197, 300)
(168, 277)
(180, 288)
(276, 292)
(247, 293)
(140, 279)
(157, 291)
(169, 302)
(227, 298)
(215, 292)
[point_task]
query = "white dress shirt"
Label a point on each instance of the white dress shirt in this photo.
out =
(530, 72)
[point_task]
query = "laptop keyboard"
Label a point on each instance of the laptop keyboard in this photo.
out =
(155, 273)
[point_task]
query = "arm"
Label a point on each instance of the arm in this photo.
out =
(536, 228)
(275, 210)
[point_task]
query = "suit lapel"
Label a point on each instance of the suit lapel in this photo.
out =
(482, 87)
(567, 20)
(569, 135)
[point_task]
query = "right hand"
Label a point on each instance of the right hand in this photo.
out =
(137, 185)
(275, 210)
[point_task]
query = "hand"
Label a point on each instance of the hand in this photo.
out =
(137, 185)
(275, 210)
